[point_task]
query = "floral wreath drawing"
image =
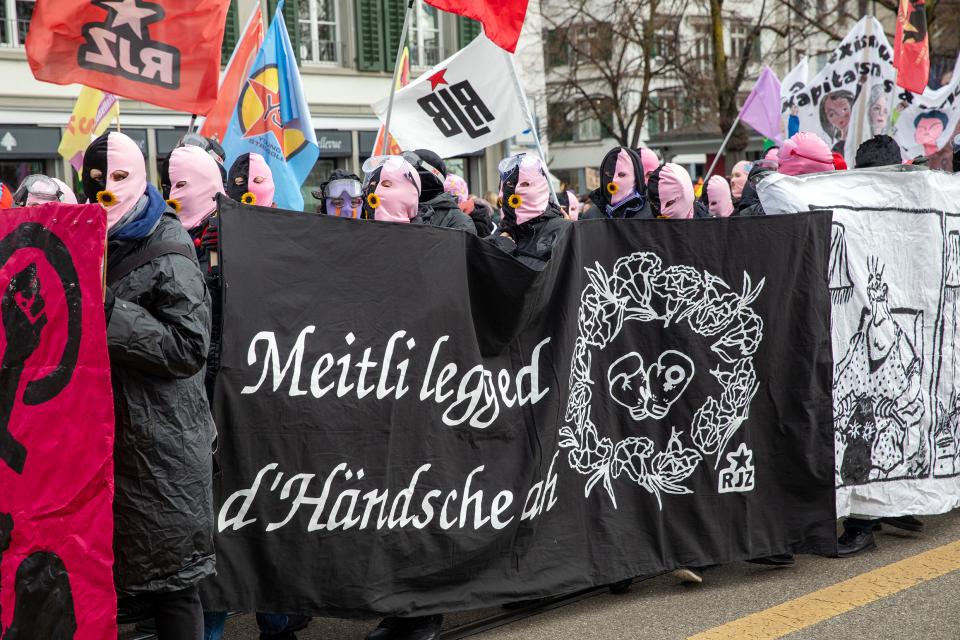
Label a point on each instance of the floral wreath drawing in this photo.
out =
(640, 288)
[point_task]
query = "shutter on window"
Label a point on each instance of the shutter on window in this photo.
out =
(370, 56)
(231, 32)
(469, 29)
(393, 14)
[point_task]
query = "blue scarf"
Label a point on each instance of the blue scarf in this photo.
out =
(634, 195)
(146, 219)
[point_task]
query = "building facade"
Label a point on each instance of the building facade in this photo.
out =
(346, 51)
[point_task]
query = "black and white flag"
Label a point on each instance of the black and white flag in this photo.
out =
(466, 103)
(411, 421)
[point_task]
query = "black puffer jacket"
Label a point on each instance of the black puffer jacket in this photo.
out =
(214, 285)
(158, 336)
(532, 242)
(443, 211)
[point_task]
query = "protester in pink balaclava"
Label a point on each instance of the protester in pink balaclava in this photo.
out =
(250, 180)
(718, 197)
(805, 153)
(457, 187)
(671, 192)
(115, 175)
(392, 189)
(569, 204)
(531, 224)
(195, 182)
(738, 178)
(649, 160)
(772, 155)
(622, 193)
(38, 189)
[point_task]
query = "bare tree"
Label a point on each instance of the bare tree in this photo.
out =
(603, 58)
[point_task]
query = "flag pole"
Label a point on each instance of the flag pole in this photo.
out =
(531, 121)
(396, 71)
(723, 146)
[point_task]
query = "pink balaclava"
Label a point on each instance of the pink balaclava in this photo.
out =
(738, 178)
(123, 154)
(719, 200)
(524, 190)
(573, 208)
(805, 153)
(194, 184)
(773, 154)
(260, 181)
(624, 177)
(397, 194)
(650, 162)
(676, 192)
(67, 195)
(457, 187)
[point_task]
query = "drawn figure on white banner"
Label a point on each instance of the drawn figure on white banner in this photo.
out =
(946, 436)
(927, 128)
(877, 401)
(836, 109)
(640, 288)
(879, 110)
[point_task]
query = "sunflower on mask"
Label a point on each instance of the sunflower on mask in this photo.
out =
(106, 198)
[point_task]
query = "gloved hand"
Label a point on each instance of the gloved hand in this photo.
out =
(210, 238)
(108, 301)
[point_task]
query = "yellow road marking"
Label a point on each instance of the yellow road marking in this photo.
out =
(832, 601)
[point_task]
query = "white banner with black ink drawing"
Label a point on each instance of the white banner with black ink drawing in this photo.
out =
(895, 289)
(926, 124)
(852, 97)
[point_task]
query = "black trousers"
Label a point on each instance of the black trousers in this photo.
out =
(179, 615)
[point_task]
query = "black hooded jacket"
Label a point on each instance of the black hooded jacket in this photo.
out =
(635, 207)
(442, 211)
(533, 241)
(749, 204)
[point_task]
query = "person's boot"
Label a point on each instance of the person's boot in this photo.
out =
(907, 523)
(778, 560)
(687, 575)
(419, 628)
(855, 540)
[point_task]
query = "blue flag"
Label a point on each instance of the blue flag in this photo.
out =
(272, 117)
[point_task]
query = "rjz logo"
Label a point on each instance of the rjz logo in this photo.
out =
(457, 108)
(121, 45)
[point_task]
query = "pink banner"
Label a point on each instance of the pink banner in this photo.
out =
(56, 427)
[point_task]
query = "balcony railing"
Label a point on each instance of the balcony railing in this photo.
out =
(13, 32)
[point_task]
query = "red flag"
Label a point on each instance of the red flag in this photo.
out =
(911, 48)
(502, 19)
(234, 78)
(166, 54)
(56, 426)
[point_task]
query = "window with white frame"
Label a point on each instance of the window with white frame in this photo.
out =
(319, 32)
(588, 128)
(426, 38)
(16, 21)
(738, 39)
(703, 46)
(666, 113)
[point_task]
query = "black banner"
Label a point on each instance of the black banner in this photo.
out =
(413, 422)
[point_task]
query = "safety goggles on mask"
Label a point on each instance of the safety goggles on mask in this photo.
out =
(371, 165)
(39, 186)
(419, 163)
(508, 165)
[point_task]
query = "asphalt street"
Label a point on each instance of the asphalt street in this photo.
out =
(894, 592)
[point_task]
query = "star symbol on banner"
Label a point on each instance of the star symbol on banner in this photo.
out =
(437, 79)
(270, 121)
(132, 13)
(741, 458)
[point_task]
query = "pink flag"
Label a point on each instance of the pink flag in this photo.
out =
(761, 110)
(56, 427)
